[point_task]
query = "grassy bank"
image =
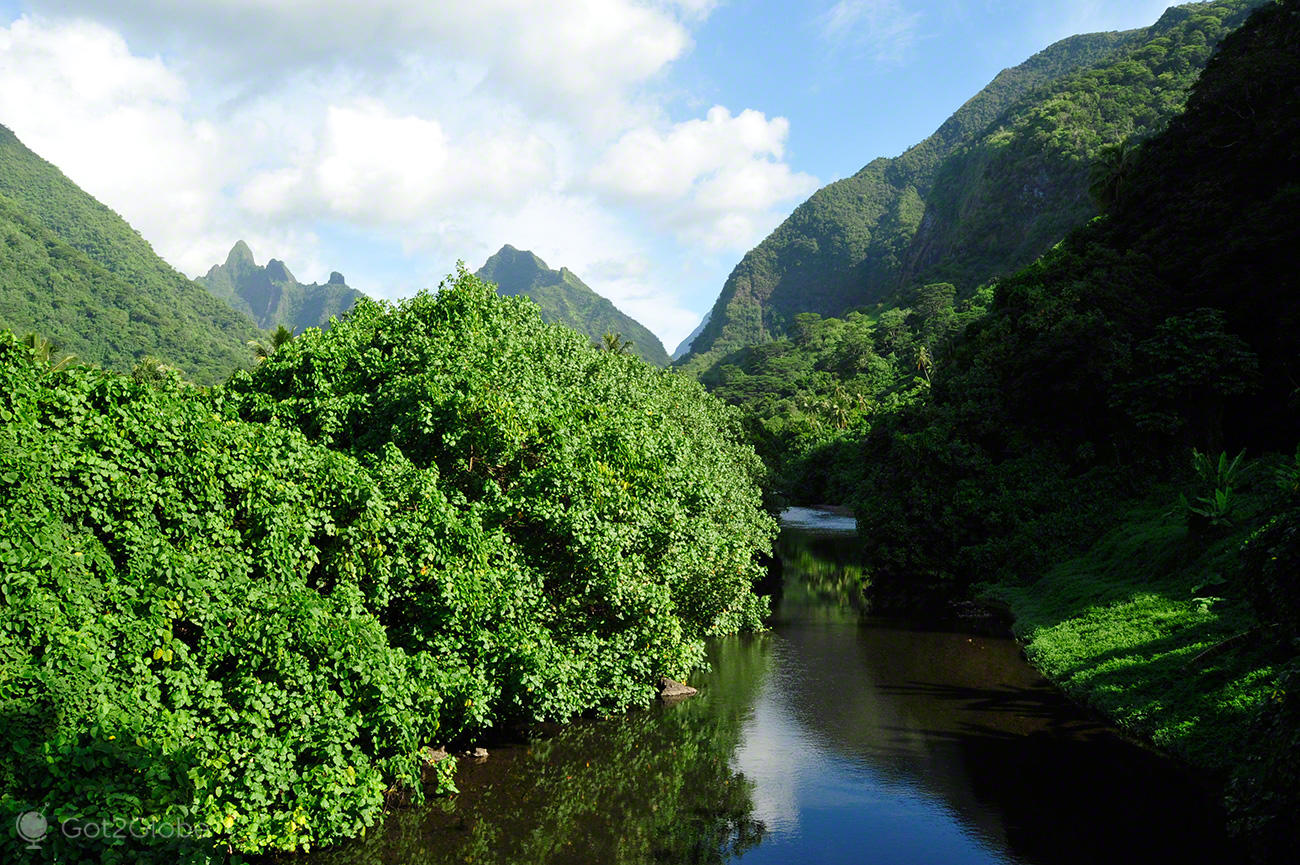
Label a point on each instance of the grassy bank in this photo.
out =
(1148, 628)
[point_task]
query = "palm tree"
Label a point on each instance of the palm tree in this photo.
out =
(46, 353)
(614, 342)
(925, 363)
(152, 371)
(1111, 173)
(262, 349)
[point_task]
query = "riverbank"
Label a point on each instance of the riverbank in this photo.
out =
(829, 737)
(1149, 627)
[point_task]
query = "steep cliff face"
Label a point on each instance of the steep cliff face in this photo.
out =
(996, 185)
(271, 294)
(565, 299)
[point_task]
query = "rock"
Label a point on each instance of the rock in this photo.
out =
(433, 755)
(336, 278)
(477, 753)
(672, 689)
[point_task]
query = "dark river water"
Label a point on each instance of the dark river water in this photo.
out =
(832, 738)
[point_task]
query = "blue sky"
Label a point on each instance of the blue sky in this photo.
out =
(645, 144)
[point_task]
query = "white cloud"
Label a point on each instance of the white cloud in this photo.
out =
(389, 141)
(112, 122)
(717, 179)
(883, 28)
(378, 167)
(576, 56)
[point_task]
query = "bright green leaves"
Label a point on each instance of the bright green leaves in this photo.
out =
(431, 518)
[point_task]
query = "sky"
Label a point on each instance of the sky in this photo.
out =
(644, 144)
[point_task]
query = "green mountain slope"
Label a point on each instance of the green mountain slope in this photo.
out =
(1001, 180)
(75, 272)
(565, 299)
(1052, 455)
(271, 296)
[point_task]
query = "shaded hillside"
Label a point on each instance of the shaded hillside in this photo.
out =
(565, 299)
(1076, 449)
(75, 272)
(1000, 181)
(271, 295)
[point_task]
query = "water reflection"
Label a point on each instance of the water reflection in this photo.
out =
(834, 737)
(873, 741)
(652, 786)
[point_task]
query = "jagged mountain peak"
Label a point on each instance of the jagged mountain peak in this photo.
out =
(240, 255)
(273, 296)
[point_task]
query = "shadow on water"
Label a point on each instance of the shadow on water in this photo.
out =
(834, 737)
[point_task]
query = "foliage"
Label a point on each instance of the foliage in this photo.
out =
(1139, 336)
(1127, 627)
(994, 187)
(809, 399)
(1166, 325)
(183, 637)
(264, 348)
(1217, 480)
(73, 271)
(271, 296)
(565, 299)
(249, 612)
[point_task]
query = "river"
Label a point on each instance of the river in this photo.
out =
(834, 737)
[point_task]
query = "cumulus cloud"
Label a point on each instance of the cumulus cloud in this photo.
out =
(716, 179)
(579, 56)
(390, 139)
(113, 122)
(373, 165)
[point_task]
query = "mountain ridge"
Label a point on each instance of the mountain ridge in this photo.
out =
(272, 296)
(999, 182)
(565, 299)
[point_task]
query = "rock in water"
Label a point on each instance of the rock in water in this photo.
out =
(433, 755)
(669, 689)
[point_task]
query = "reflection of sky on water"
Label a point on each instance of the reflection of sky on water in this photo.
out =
(824, 806)
(817, 520)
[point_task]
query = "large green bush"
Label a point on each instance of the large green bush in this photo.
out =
(615, 506)
(249, 611)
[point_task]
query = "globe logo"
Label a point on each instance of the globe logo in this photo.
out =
(32, 828)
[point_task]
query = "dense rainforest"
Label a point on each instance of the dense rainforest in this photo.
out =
(74, 272)
(1048, 356)
(1103, 443)
(999, 183)
(255, 610)
(565, 299)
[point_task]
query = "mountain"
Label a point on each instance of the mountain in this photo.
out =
(271, 295)
(685, 345)
(566, 300)
(76, 273)
(997, 184)
(1075, 445)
